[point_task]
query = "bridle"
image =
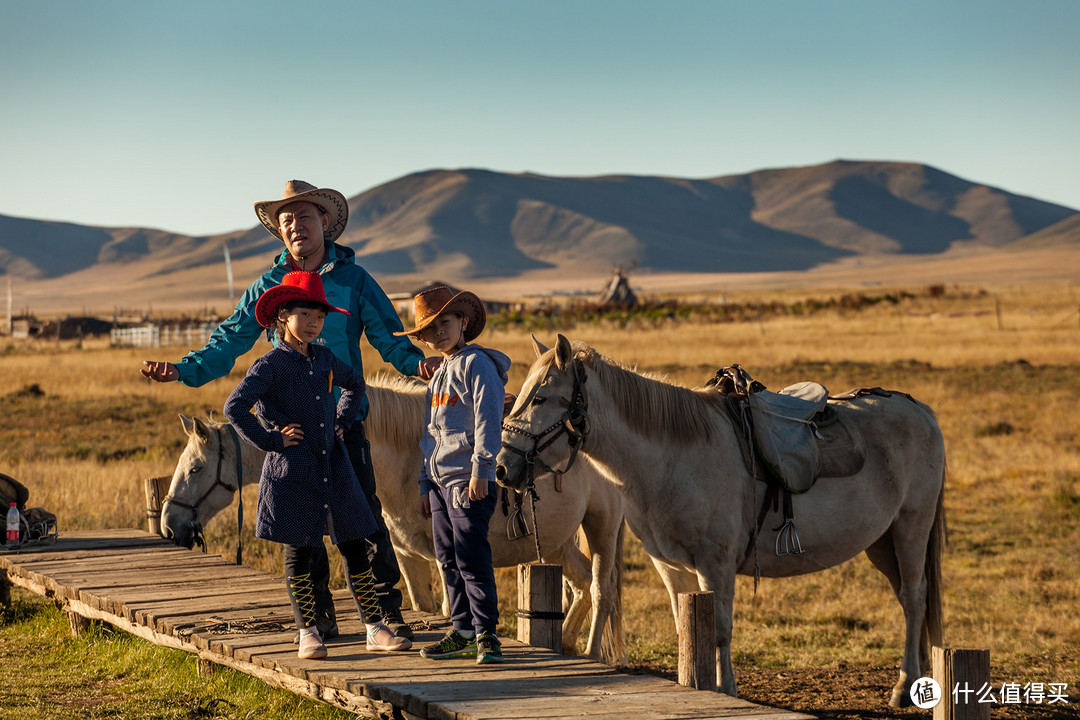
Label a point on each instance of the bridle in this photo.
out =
(574, 423)
(196, 526)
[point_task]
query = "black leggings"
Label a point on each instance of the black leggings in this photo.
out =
(353, 552)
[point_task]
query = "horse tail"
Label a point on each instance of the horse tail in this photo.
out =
(613, 645)
(933, 622)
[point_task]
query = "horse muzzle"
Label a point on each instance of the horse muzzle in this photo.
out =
(510, 471)
(176, 528)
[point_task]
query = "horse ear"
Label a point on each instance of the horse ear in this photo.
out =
(188, 424)
(563, 352)
(201, 428)
(538, 347)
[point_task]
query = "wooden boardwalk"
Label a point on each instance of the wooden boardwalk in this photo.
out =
(239, 617)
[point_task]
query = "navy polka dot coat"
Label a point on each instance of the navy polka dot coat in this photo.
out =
(302, 483)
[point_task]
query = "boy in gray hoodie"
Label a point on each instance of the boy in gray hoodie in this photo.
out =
(463, 435)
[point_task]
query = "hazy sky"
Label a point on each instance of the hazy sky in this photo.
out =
(178, 115)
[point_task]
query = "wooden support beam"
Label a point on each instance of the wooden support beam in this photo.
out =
(78, 624)
(204, 668)
(155, 489)
(967, 672)
(540, 613)
(697, 640)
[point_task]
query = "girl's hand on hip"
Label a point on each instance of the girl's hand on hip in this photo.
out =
(291, 434)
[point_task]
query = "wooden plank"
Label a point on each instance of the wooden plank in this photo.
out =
(128, 595)
(62, 554)
(252, 602)
(127, 558)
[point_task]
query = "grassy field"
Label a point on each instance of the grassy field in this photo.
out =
(998, 364)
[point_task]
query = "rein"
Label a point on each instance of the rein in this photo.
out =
(574, 422)
(196, 526)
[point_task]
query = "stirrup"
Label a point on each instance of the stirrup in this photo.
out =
(517, 526)
(787, 539)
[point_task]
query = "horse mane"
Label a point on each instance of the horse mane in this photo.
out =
(397, 410)
(650, 404)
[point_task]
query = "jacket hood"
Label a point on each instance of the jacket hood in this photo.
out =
(501, 360)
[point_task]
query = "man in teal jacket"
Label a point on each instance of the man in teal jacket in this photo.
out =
(308, 220)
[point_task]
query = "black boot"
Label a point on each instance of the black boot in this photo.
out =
(302, 599)
(393, 619)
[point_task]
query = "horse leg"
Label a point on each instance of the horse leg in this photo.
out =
(607, 600)
(605, 534)
(576, 573)
(416, 572)
(909, 586)
(677, 579)
(712, 578)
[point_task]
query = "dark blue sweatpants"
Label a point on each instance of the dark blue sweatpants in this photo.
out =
(463, 550)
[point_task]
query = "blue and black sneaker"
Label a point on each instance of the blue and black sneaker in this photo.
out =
(453, 645)
(488, 649)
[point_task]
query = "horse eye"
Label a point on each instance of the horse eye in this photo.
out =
(538, 400)
(196, 469)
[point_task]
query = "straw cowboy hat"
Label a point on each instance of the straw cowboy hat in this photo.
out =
(432, 303)
(331, 201)
(298, 285)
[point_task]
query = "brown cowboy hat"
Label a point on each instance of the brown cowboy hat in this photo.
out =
(435, 301)
(298, 285)
(332, 202)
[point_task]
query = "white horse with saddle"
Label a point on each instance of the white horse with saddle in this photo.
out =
(676, 457)
(207, 473)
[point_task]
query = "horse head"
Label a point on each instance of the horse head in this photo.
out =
(202, 485)
(548, 423)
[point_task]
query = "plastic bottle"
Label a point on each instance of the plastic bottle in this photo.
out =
(13, 528)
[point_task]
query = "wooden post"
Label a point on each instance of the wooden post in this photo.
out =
(540, 605)
(697, 640)
(155, 488)
(78, 624)
(5, 589)
(967, 671)
(204, 668)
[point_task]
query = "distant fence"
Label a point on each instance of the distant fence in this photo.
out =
(157, 336)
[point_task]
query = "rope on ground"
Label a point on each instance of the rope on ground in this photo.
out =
(219, 626)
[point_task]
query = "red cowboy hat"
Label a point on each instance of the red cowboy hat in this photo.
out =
(298, 285)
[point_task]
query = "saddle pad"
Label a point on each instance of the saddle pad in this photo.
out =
(841, 445)
(784, 433)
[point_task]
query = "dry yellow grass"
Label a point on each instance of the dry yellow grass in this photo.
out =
(999, 367)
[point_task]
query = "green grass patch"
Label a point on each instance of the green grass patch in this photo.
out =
(108, 673)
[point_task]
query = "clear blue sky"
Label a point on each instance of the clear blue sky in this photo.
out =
(178, 115)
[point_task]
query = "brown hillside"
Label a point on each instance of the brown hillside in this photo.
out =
(486, 226)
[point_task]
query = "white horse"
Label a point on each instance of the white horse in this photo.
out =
(204, 483)
(675, 456)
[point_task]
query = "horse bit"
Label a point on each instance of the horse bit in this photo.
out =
(196, 526)
(574, 422)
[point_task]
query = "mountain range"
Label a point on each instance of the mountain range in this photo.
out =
(473, 224)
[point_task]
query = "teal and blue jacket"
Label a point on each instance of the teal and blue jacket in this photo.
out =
(347, 286)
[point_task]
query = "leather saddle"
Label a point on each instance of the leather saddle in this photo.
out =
(793, 437)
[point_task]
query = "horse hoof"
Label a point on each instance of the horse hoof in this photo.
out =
(901, 698)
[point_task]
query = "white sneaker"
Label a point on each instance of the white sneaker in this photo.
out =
(311, 646)
(383, 639)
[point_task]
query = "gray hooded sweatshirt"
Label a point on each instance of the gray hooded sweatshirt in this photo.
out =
(463, 418)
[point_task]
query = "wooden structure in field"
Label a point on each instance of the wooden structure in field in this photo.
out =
(238, 617)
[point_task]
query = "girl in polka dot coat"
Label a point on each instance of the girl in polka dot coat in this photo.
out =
(308, 486)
